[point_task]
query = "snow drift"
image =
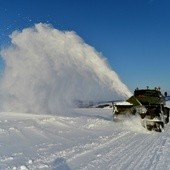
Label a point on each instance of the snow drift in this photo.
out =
(46, 69)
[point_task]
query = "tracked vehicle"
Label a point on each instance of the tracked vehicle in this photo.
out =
(149, 104)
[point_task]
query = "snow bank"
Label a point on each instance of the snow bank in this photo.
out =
(47, 70)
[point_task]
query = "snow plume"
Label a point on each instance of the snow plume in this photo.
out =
(47, 70)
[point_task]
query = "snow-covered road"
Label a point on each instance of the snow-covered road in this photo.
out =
(86, 139)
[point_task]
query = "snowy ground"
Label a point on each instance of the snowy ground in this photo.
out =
(87, 139)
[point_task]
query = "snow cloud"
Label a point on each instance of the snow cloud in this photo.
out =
(46, 70)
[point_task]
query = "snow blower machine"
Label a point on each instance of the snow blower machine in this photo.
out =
(149, 104)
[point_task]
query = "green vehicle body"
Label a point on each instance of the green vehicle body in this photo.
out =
(150, 104)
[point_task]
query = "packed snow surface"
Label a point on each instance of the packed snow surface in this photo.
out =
(84, 139)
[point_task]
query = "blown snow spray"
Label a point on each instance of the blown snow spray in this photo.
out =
(46, 70)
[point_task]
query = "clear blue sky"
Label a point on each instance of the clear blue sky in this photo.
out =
(134, 35)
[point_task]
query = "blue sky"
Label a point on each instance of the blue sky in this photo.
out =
(134, 35)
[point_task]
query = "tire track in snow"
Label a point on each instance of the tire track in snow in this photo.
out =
(93, 147)
(142, 157)
(159, 156)
(96, 150)
(139, 147)
(157, 152)
(116, 155)
(125, 159)
(146, 155)
(149, 158)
